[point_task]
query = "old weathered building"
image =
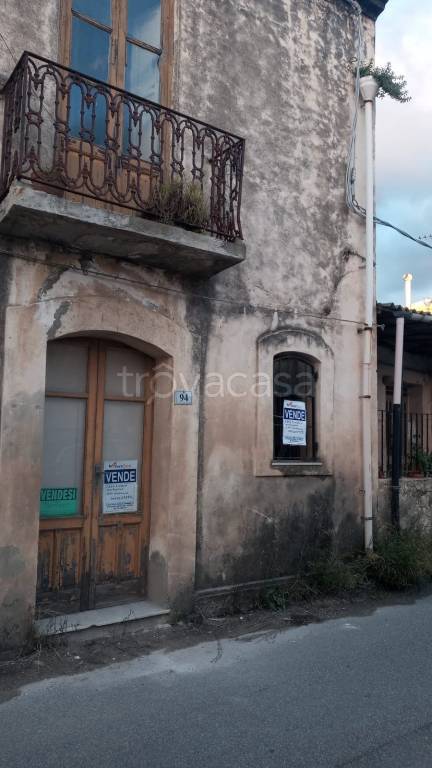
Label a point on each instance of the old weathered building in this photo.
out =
(147, 255)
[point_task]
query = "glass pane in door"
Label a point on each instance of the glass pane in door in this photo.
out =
(99, 10)
(122, 445)
(90, 56)
(66, 369)
(144, 21)
(126, 372)
(142, 72)
(63, 457)
(141, 78)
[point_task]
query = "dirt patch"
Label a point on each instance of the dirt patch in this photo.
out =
(68, 655)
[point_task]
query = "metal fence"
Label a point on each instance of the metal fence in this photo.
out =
(73, 133)
(416, 443)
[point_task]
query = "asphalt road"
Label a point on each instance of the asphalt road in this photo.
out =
(349, 692)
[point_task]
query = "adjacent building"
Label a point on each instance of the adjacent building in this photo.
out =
(182, 297)
(416, 426)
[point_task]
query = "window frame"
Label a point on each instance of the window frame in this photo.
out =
(295, 454)
(119, 39)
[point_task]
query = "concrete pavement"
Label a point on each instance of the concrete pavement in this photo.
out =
(348, 692)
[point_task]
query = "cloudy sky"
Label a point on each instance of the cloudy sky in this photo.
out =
(404, 150)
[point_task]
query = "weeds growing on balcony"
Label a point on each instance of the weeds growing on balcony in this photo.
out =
(178, 202)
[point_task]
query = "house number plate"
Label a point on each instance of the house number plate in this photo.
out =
(182, 397)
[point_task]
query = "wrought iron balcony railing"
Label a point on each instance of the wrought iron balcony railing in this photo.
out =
(85, 138)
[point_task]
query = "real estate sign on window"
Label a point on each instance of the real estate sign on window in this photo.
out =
(294, 423)
(120, 487)
(58, 502)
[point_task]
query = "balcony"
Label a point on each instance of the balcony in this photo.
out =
(92, 167)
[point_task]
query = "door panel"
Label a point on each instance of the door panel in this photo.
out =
(45, 576)
(63, 496)
(123, 433)
(129, 566)
(90, 49)
(125, 44)
(68, 557)
(90, 420)
(90, 54)
(126, 376)
(119, 553)
(144, 21)
(59, 569)
(63, 452)
(90, 32)
(66, 370)
(142, 72)
(125, 373)
(107, 566)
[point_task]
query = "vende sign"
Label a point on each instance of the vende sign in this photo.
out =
(120, 476)
(294, 423)
(120, 487)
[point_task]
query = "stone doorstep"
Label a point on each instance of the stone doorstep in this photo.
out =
(126, 614)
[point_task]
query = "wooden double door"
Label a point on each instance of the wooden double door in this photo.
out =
(95, 495)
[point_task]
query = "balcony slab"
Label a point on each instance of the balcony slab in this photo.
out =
(26, 212)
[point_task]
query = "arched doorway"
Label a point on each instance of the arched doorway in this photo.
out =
(95, 495)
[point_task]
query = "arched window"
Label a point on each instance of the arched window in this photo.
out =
(294, 379)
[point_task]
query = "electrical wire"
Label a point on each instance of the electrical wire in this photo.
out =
(351, 163)
(243, 305)
(9, 50)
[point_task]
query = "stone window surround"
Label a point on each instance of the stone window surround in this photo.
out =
(311, 345)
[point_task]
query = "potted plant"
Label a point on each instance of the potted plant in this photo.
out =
(389, 83)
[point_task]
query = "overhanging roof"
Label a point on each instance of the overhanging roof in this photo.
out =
(418, 329)
(373, 8)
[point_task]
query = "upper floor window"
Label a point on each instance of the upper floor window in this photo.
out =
(121, 43)
(117, 41)
(294, 378)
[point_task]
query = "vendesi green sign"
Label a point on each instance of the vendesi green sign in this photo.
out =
(58, 502)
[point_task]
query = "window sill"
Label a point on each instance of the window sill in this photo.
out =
(297, 469)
